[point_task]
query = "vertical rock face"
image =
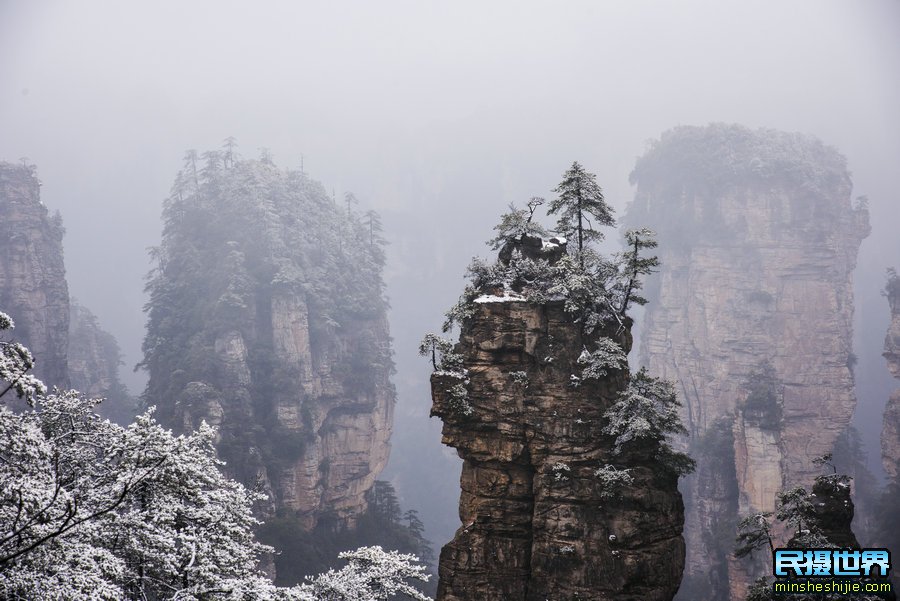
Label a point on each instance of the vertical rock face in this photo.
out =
(33, 288)
(537, 522)
(94, 360)
(890, 435)
(267, 320)
(757, 241)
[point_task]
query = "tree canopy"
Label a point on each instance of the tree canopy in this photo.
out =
(93, 510)
(581, 207)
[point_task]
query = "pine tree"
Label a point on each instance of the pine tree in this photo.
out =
(372, 223)
(579, 204)
(632, 266)
(230, 156)
(441, 352)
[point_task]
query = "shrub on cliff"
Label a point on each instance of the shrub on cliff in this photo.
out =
(644, 417)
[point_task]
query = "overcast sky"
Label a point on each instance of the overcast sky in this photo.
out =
(436, 113)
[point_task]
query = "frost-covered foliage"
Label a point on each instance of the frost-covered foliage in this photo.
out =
(754, 533)
(635, 266)
(372, 574)
(459, 399)
(15, 361)
(612, 479)
(520, 378)
(644, 416)
(517, 223)
(580, 206)
(607, 355)
(561, 471)
(597, 290)
(93, 510)
(440, 350)
(522, 277)
(795, 508)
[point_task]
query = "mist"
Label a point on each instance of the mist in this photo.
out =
(437, 115)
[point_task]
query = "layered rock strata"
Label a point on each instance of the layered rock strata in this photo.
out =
(537, 522)
(33, 289)
(758, 239)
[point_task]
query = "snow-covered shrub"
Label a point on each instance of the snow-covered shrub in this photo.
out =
(371, 574)
(520, 378)
(459, 400)
(606, 356)
(560, 471)
(612, 480)
(644, 416)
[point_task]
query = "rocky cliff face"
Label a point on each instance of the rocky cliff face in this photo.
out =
(33, 288)
(267, 319)
(758, 240)
(94, 361)
(538, 520)
(890, 435)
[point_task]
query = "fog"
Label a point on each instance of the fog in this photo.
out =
(437, 115)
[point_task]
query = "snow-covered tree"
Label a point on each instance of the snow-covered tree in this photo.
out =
(516, 223)
(612, 479)
(372, 224)
(440, 350)
(93, 510)
(371, 575)
(795, 508)
(152, 511)
(15, 362)
(606, 356)
(632, 266)
(754, 533)
(581, 207)
(644, 416)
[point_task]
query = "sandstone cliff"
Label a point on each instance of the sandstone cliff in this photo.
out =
(33, 288)
(758, 240)
(267, 319)
(542, 516)
(890, 435)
